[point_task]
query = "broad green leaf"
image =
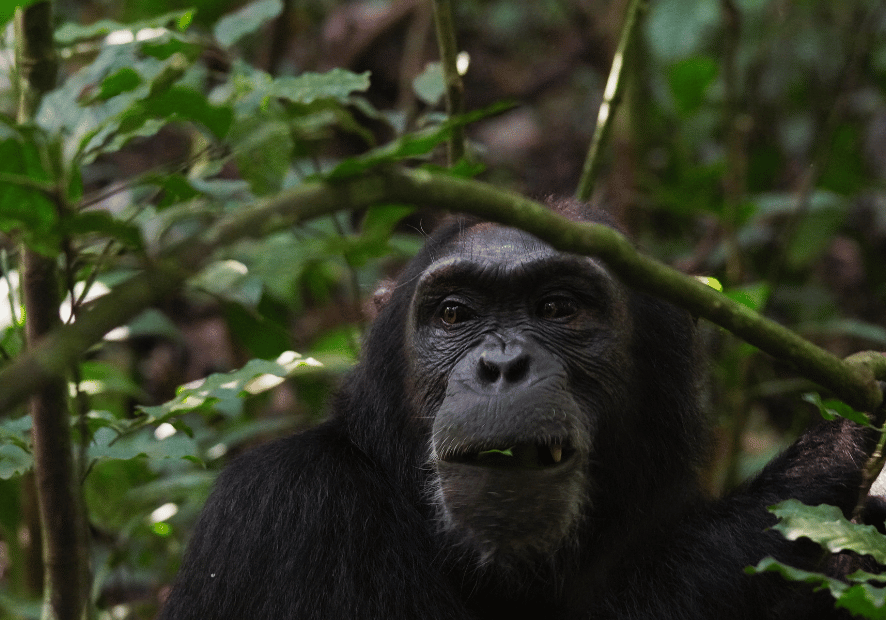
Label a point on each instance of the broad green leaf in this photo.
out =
(124, 80)
(108, 444)
(105, 224)
(831, 409)
(16, 432)
(24, 207)
(90, 115)
(430, 85)
(71, 32)
(179, 103)
(463, 169)
(866, 600)
(7, 9)
(690, 80)
(678, 28)
(412, 145)
(233, 27)
(855, 328)
(827, 526)
(14, 461)
(813, 236)
(380, 221)
(337, 84)
(153, 323)
(263, 148)
(342, 342)
(847, 174)
(860, 598)
(753, 296)
(104, 377)
(373, 241)
(229, 280)
(261, 330)
(162, 49)
(223, 392)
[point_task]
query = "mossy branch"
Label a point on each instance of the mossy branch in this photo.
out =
(853, 381)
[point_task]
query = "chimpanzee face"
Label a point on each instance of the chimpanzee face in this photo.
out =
(517, 351)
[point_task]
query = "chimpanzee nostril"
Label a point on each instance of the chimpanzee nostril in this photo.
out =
(488, 371)
(517, 369)
(493, 365)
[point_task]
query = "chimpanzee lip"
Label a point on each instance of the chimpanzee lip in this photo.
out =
(538, 454)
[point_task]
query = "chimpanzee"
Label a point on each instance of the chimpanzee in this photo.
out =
(521, 439)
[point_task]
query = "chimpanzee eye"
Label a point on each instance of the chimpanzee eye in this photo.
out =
(452, 313)
(556, 308)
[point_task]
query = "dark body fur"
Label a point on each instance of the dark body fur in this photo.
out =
(389, 510)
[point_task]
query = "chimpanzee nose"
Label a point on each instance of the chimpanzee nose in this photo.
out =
(509, 365)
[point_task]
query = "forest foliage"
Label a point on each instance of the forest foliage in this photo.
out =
(747, 148)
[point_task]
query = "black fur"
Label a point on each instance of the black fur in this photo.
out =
(368, 516)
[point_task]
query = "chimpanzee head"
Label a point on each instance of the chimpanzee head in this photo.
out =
(551, 400)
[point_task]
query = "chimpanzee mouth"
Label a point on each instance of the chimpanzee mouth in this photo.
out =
(515, 456)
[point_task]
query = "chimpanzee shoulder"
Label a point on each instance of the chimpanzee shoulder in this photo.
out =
(522, 436)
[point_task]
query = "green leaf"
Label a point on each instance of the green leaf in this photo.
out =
(430, 85)
(690, 80)
(506, 452)
(231, 281)
(261, 335)
(153, 323)
(336, 84)
(103, 377)
(108, 444)
(163, 49)
(124, 80)
(677, 28)
(380, 221)
(223, 392)
(175, 188)
(105, 224)
(753, 296)
(7, 8)
(17, 432)
(71, 33)
(373, 242)
(827, 526)
(831, 409)
(180, 103)
(14, 461)
(857, 329)
(412, 145)
(24, 208)
(865, 599)
(234, 26)
(263, 148)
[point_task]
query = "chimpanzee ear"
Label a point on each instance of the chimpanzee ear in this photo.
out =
(379, 299)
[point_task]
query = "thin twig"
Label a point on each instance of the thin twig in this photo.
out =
(454, 87)
(611, 98)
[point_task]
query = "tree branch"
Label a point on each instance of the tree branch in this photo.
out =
(853, 381)
(66, 587)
